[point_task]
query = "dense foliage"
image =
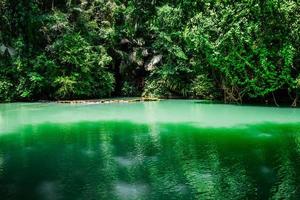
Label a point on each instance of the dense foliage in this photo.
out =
(237, 51)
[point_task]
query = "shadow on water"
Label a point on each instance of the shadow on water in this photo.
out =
(123, 160)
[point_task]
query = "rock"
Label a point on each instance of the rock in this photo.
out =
(125, 41)
(145, 52)
(9, 50)
(135, 59)
(153, 62)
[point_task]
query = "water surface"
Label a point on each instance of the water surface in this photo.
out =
(156, 150)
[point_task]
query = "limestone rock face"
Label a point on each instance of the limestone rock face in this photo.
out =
(153, 62)
(6, 49)
(134, 58)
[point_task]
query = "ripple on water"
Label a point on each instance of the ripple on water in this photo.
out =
(264, 135)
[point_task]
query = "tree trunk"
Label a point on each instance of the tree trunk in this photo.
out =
(294, 104)
(275, 101)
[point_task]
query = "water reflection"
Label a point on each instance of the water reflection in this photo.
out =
(123, 160)
(127, 191)
(1, 163)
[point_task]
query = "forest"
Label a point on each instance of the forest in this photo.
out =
(233, 51)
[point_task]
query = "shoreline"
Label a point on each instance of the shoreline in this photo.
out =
(147, 99)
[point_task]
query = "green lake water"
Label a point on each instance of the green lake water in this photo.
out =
(174, 149)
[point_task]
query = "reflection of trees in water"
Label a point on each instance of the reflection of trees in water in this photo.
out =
(165, 176)
(1, 120)
(120, 160)
(288, 168)
(205, 170)
(285, 186)
(1, 163)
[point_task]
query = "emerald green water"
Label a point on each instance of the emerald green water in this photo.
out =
(172, 149)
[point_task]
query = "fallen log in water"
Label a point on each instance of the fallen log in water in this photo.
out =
(105, 101)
